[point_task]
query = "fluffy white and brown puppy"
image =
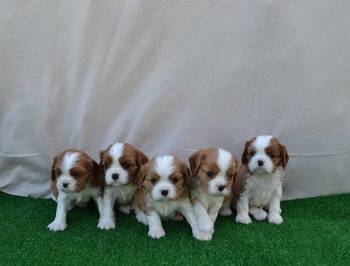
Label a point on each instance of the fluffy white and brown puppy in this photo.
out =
(74, 181)
(213, 171)
(165, 191)
(264, 160)
(120, 168)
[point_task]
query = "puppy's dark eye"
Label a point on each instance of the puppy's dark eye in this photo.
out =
(175, 179)
(252, 153)
(75, 173)
(272, 156)
(210, 173)
(153, 180)
(58, 171)
(126, 165)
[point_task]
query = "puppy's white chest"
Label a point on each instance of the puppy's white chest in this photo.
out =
(124, 194)
(261, 190)
(207, 200)
(166, 208)
(84, 196)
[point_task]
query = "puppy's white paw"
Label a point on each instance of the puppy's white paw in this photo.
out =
(205, 225)
(243, 219)
(141, 217)
(275, 218)
(203, 236)
(259, 214)
(125, 209)
(156, 232)
(106, 224)
(225, 211)
(57, 226)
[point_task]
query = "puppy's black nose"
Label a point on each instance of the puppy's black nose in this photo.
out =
(164, 192)
(260, 163)
(221, 187)
(115, 176)
(65, 185)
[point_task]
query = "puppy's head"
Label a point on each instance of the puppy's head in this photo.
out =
(166, 178)
(215, 169)
(121, 163)
(72, 170)
(264, 154)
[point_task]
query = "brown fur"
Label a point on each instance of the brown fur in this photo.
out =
(180, 177)
(85, 171)
(204, 161)
(131, 160)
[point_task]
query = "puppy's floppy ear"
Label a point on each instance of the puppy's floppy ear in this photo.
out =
(187, 176)
(141, 158)
(142, 174)
(284, 155)
(102, 169)
(195, 162)
(53, 172)
(244, 158)
(237, 166)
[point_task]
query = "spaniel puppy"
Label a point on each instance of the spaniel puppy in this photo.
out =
(164, 193)
(120, 166)
(213, 171)
(264, 160)
(74, 181)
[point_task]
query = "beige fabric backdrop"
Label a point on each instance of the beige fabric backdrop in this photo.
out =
(174, 76)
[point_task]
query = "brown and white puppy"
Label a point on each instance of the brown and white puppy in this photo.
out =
(213, 171)
(120, 167)
(74, 181)
(165, 191)
(264, 160)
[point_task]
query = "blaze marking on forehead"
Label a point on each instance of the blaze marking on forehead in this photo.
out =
(164, 165)
(116, 150)
(69, 160)
(262, 142)
(224, 159)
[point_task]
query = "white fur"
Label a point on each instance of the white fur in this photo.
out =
(116, 151)
(262, 189)
(224, 161)
(120, 190)
(68, 161)
(165, 206)
(260, 143)
(67, 200)
(164, 167)
(208, 205)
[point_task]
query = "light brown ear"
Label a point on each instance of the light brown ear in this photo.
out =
(244, 158)
(142, 174)
(102, 169)
(195, 162)
(187, 176)
(236, 169)
(97, 178)
(141, 158)
(284, 155)
(53, 173)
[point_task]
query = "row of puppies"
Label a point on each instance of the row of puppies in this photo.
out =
(164, 187)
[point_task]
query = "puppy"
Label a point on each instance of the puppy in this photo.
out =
(213, 171)
(164, 193)
(74, 181)
(120, 166)
(264, 160)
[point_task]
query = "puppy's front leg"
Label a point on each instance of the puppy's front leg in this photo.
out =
(155, 225)
(203, 220)
(243, 210)
(107, 216)
(275, 208)
(60, 223)
(213, 212)
(188, 213)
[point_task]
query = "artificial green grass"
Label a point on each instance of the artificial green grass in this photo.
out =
(315, 232)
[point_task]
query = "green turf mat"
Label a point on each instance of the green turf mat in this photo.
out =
(315, 232)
